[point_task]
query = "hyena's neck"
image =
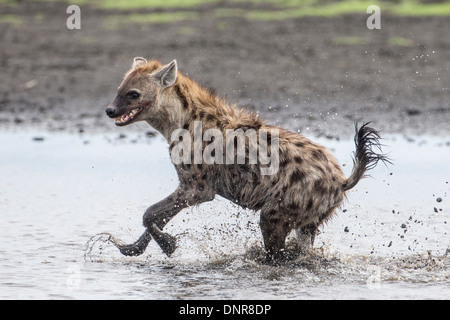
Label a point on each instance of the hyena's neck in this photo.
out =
(186, 102)
(170, 117)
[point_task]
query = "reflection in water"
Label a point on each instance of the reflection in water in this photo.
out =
(389, 240)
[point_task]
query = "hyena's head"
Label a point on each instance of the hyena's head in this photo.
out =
(138, 96)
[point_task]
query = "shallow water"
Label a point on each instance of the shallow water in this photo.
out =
(389, 240)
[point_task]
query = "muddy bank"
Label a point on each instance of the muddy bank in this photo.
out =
(316, 75)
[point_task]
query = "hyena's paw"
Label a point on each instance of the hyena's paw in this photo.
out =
(100, 239)
(281, 257)
(135, 249)
(167, 243)
(130, 250)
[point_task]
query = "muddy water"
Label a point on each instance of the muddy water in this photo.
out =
(389, 240)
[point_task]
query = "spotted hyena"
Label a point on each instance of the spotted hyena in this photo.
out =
(301, 194)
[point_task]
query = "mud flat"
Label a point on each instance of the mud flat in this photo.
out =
(310, 73)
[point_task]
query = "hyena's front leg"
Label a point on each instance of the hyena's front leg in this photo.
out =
(158, 215)
(164, 210)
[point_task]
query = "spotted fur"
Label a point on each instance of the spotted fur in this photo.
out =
(304, 193)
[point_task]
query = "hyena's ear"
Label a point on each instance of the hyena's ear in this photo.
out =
(167, 75)
(137, 62)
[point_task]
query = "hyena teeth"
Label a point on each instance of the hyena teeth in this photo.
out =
(127, 117)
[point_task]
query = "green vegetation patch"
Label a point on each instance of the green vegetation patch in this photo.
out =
(127, 4)
(264, 10)
(13, 19)
(116, 21)
(323, 8)
(400, 42)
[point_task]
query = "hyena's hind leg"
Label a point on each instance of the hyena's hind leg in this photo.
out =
(275, 228)
(305, 236)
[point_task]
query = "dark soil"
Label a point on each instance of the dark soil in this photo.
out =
(302, 73)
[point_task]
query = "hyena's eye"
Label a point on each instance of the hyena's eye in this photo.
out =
(133, 95)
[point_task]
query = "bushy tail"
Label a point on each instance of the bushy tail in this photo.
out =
(365, 158)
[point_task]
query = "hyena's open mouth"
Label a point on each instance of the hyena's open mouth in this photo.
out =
(127, 118)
